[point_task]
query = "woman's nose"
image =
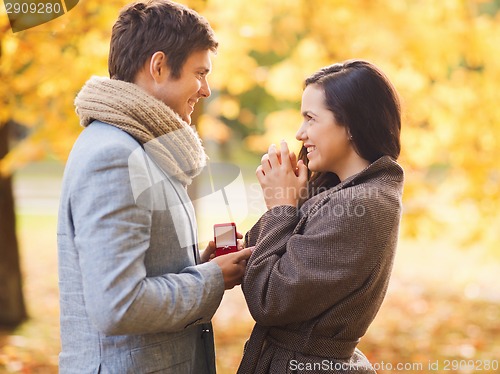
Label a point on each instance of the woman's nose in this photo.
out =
(301, 133)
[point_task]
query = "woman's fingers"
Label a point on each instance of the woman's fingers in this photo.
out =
(260, 173)
(265, 164)
(285, 155)
(278, 159)
(273, 156)
(302, 171)
(293, 162)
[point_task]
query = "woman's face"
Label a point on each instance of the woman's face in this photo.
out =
(327, 142)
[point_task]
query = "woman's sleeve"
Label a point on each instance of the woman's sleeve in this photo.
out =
(293, 277)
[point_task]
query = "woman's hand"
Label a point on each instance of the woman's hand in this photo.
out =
(283, 180)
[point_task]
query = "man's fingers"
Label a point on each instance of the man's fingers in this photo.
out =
(210, 247)
(240, 244)
(244, 254)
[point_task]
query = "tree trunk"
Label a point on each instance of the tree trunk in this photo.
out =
(12, 308)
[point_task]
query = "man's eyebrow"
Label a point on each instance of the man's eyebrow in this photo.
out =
(203, 69)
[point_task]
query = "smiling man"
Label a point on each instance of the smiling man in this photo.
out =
(135, 295)
(180, 93)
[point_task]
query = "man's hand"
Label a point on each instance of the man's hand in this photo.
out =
(233, 266)
(209, 252)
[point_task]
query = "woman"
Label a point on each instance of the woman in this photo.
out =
(320, 268)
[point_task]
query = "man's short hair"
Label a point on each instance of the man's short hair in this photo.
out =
(146, 27)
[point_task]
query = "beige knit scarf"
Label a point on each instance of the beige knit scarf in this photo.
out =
(167, 139)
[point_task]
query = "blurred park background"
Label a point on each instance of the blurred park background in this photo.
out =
(442, 311)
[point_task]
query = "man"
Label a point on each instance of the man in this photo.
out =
(135, 295)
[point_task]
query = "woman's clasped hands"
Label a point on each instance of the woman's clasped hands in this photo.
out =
(282, 178)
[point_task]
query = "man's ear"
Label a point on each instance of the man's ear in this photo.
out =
(158, 66)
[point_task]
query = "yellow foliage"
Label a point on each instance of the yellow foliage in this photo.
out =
(210, 128)
(24, 153)
(310, 55)
(226, 106)
(230, 107)
(285, 81)
(441, 56)
(236, 74)
(279, 125)
(246, 117)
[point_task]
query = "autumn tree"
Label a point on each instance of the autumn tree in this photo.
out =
(441, 56)
(41, 70)
(12, 308)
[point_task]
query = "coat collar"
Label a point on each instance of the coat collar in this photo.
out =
(384, 168)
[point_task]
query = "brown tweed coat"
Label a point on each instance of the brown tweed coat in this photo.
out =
(318, 275)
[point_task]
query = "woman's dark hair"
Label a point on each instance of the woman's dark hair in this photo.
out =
(146, 27)
(363, 100)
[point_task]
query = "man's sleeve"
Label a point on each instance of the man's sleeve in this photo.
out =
(112, 235)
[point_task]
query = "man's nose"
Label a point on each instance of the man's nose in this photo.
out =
(205, 89)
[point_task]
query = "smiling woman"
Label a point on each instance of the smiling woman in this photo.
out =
(320, 268)
(361, 108)
(328, 143)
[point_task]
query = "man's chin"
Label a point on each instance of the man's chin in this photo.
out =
(187, 119)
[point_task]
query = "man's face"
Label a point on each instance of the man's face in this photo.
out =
(181, 94)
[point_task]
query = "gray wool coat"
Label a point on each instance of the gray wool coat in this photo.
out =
(133, 299)
(318, 275)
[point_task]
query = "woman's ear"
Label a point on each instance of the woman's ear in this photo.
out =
(348, 132)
